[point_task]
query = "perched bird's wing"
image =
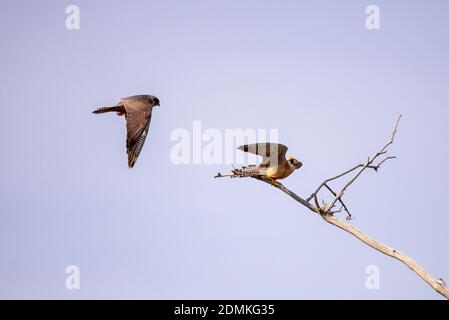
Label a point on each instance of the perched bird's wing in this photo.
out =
(272, 153)
(138, 118)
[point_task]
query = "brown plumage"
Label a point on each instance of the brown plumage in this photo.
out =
(273, 153)
(274, 165)
(137, 111)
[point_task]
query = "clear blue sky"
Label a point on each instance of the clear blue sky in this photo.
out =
(307, 68)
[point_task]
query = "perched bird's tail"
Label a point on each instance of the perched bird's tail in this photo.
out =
(119, 109)
(250, 171)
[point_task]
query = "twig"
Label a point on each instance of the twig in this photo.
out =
(369, 162)
(374, 167)
(368, 165)
(341, 201)
(340, 193)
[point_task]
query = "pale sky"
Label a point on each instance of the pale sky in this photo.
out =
(309, 69)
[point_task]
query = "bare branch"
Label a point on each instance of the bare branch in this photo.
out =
(317, 205)
(341, 201)
(374, 167)
(368, 165)
(330, 179)
(340, 193)
(437, 284)
(369, 162)
(281, 187)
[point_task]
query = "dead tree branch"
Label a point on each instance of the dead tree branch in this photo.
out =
(369, 162)
(325, 213)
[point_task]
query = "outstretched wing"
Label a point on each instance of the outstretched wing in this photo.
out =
(138, 118)
(272, 153)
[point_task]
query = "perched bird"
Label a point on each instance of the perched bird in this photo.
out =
(137, 111)
(274, 165)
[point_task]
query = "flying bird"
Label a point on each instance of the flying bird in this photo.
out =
(137, 111)
(274, 165)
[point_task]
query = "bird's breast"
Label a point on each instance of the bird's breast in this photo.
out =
(278, 172)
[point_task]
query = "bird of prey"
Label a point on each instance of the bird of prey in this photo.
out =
(137, 111)
(274, 165)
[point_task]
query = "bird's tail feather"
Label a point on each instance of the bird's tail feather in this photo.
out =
(251, 171)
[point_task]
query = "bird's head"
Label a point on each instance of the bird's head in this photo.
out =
(294, 163)
(154, 101)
